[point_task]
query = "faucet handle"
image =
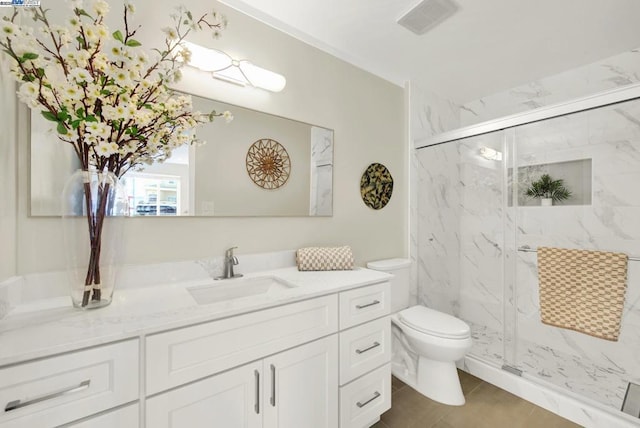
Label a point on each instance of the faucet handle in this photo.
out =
(229, 252)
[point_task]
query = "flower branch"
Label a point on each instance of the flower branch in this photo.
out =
(103, 94)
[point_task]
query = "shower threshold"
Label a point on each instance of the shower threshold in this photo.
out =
(631, 403)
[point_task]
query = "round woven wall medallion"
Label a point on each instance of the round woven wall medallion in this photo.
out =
(268, 163)
(376, 186)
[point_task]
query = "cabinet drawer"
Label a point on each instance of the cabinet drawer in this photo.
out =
(364, 304)
(187, 354)
(58, 390)
(364, 400)
(363, 348)
(126, 417)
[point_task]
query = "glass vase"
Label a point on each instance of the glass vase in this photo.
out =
(94, 205)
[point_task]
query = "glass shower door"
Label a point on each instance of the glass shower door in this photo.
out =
(597, 155)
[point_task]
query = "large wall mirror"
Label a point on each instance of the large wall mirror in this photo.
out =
(207, 180)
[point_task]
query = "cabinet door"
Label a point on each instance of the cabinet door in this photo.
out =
(302, 386)
(231, 400)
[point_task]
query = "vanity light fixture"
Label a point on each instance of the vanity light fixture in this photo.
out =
(490, 154)
(240, 72)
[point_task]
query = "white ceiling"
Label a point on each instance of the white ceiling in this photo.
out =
(486, 47)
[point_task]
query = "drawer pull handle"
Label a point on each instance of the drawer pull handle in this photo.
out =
(375, 395)
(362, 351)
(257, 405)
(17, 404)
(375, 302)
(273, 386)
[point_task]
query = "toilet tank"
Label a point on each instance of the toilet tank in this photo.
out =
(401, 282)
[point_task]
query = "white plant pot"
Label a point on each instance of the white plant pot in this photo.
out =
(546, 202)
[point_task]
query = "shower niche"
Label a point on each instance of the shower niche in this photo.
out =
(576, 175)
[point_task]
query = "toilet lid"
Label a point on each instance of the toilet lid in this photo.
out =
(435, 323)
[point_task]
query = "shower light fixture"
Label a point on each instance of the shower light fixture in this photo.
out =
(240, 72)
(490, 154)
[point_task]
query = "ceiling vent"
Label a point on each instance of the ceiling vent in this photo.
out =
(427, 14)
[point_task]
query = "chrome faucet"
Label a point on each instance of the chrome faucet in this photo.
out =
(229, 262)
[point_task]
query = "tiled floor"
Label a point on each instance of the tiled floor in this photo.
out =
(487, 406)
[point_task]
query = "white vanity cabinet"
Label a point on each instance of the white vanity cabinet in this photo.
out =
(319, 358)
(301, 386)
(231, 399)
(61, 389)
(365, 355)
(125, 417)
(183, 355)
(292, 389)
(285, 388)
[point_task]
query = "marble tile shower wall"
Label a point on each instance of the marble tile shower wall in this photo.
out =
(461, 230)
(430, 115)
(613, 72)
(481, 233)
(439, 210)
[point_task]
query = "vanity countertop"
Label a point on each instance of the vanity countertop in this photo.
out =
(52, 326)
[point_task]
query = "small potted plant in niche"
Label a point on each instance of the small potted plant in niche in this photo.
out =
(548, 190)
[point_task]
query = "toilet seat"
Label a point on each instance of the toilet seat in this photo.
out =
(435, 323)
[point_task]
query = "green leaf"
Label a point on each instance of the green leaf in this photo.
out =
(132, 43)
(63, 116)
(105, 92)
(49, 116)
(118, 36)
(91, 118)
(82, 12)
(80, 112)
(40, 72)
(75, 124)
(190, 15)
(29, 56)
(61, 128)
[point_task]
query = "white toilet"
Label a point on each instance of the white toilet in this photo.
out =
(427, 343)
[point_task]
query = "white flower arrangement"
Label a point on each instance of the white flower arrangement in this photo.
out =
(107, 98)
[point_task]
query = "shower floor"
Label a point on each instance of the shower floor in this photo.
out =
(604, 385)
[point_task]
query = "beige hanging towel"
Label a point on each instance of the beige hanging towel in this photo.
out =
(582, 290)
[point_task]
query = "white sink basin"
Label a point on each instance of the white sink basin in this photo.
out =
(237, 288)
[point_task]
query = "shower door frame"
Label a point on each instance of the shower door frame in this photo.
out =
(600, 99)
